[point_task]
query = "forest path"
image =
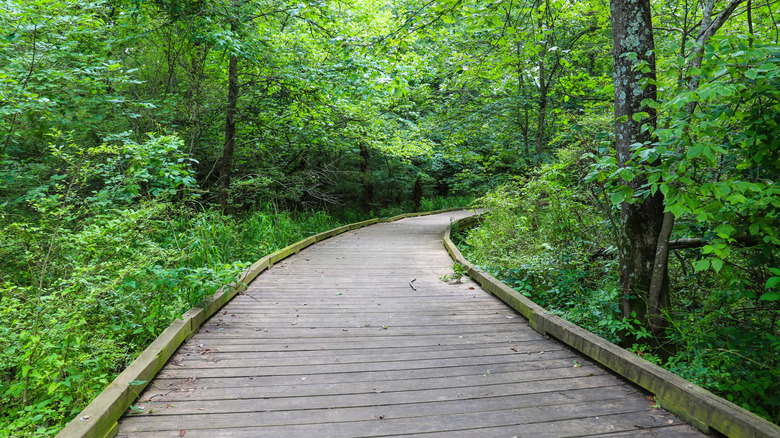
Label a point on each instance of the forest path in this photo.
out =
(358, 336)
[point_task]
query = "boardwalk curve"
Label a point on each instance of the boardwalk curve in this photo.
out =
(358, 336)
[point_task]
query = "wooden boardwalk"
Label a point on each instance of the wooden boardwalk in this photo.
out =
(358, 336)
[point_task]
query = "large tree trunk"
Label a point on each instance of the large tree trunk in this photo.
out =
(230, 127)
(641, 221)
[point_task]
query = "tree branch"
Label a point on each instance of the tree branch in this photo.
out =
(697, 242)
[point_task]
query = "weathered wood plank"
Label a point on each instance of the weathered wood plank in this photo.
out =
(545, 425)
(166, 384)
(426, 389)
(192, 357)
(303, 369)
(390, 406)
(546, 410)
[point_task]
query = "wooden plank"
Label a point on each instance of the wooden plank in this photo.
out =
(629, 418)
(323, 342)
(431, 388)
(166, 383)
(454, 399)
(342, 349)
(674, 430)
(255, 415)
(226, 359)
(305, 369)
(287, 251)
(545, 410)
(362, 224)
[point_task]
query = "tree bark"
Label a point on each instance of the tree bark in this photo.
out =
(641, 220)
(417, 194)
(657, 296)
(230, 127)
(522, 107)
(708, 28)
(750, 22)
(540, 121)
(697, 242)
(543, 85)
(365, 172)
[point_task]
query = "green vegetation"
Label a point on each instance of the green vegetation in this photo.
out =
(149, 150)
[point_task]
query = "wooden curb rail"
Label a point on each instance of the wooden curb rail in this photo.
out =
(99, 419)
(699, 407)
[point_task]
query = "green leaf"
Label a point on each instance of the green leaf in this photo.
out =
(725, 231)
(708, 154)
(695, 150)
(770, 296)
(702, 265)
(627, 174)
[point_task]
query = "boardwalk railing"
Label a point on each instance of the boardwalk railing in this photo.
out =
(99, 418)
(696, 405)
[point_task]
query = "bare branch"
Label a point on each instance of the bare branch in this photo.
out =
(697, 242)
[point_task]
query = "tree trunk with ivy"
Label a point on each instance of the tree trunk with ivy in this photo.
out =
(641, 216)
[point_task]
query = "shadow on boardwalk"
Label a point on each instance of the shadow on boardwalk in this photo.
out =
(358, 336)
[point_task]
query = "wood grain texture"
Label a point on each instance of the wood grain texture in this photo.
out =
(359, 336)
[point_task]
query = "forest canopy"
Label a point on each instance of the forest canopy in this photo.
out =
(151, 149)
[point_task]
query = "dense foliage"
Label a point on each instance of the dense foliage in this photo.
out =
(149, 150)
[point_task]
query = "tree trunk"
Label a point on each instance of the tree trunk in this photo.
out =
(365, 172)
(417, 194)
(230, 127)
(539, 141)
(522, 107)
(641, 220)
